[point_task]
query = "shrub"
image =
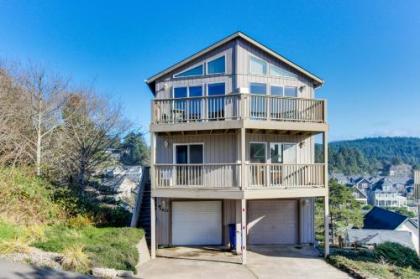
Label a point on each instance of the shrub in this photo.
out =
(74, 258)
(79, 221)
(397, 254)
(16, 245)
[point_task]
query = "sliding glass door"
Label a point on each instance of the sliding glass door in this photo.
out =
(189, 160)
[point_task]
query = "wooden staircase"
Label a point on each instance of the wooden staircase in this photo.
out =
(141, 213)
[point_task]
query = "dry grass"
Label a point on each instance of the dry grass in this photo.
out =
(74, 258)
(16, 245)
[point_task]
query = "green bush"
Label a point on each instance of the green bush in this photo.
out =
(397, 254)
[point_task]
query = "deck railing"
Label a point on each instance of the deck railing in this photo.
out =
(285, 175)
(197, 175)
(229, 176)
(238, 106)
(193, 109)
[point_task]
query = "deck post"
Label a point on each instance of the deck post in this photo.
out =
(326, 198)
(152, 228)
(243, 230)
(243, 170)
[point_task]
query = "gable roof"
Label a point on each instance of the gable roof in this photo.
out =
(381, 219)
(316, 80)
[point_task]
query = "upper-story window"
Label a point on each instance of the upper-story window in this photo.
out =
(216, 66)
(290, 91)
(258, 88)
(191, 72)
(257, 66)
(214, 89)
(279, 72)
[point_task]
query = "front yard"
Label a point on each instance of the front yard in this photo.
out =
(388, 260)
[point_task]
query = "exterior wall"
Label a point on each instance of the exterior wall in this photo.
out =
(223, 148)
(305, 154)
(218, 148)
(244, 50)
(165, 84)
(163, 217)
(414, 233)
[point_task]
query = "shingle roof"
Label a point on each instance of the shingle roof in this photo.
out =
(381, 219)
(370, 237)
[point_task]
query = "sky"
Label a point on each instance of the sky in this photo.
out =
(368, 52)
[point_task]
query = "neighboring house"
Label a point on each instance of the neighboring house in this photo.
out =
(360, 195)
(365, 237)
(387, 199)
(232, 140)
(381, 219)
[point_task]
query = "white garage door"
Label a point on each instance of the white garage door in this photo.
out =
(272, 222)
(197, 223)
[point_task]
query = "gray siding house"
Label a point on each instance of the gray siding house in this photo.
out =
(232, 140)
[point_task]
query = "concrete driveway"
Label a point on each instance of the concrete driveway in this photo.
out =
(263, 262)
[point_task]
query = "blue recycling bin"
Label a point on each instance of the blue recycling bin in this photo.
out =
(232, 236)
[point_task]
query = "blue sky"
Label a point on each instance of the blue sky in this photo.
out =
(368, 52)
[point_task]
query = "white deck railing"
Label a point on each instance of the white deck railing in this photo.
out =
(285, 175)
(197, 175)
(229, 176)
(238, 106)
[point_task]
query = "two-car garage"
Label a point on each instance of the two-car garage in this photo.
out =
(202, 222)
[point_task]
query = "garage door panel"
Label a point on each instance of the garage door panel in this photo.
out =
(197, 223)
(272, 222)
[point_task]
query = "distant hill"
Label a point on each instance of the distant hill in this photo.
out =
(370, 155)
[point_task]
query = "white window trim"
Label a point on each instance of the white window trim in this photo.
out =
(189, 68)
(188, 152)
(258, 142)
(188, 90)
(276, 85)
(291, 86)
(212, 59)
(266, 88)
(283, 143)
(215, 82)
(249, 65)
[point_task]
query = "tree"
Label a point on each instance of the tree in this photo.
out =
(134, 149)
(89, 130)
(345, 210)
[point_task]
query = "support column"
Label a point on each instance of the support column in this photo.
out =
(243, 230)
(152, 228)
(243, 166)
(152, 199)
(238, 218)
(326, 198)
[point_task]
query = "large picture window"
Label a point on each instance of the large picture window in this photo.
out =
(216, 66)
(188, 108)
(191, 72)
(257, 66)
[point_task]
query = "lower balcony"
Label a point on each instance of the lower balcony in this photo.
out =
(260, 179)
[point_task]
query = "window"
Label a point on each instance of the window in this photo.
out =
(215, 89)
(276, 90)
(216, 66)
(258, 88)
(290, 91)
(189, 153)
(276, 153)
(216, 104)
(193, 105)
(191, 72)
(257, 152)
(279, 72)
(257, 66)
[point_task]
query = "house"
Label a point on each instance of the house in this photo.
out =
(232, 140)
(387, 199)
(361, 187)
(381, 219)
(370, 238)
(360, 195)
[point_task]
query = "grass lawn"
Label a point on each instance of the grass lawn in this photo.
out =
(106, 247)
(364, 264)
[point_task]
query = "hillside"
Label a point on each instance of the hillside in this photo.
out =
(370, 155)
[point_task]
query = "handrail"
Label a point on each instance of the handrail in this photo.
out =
(238, 106)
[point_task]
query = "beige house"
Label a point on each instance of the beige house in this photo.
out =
(232, 138)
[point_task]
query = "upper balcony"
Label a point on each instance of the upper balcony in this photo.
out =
(237, 111)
